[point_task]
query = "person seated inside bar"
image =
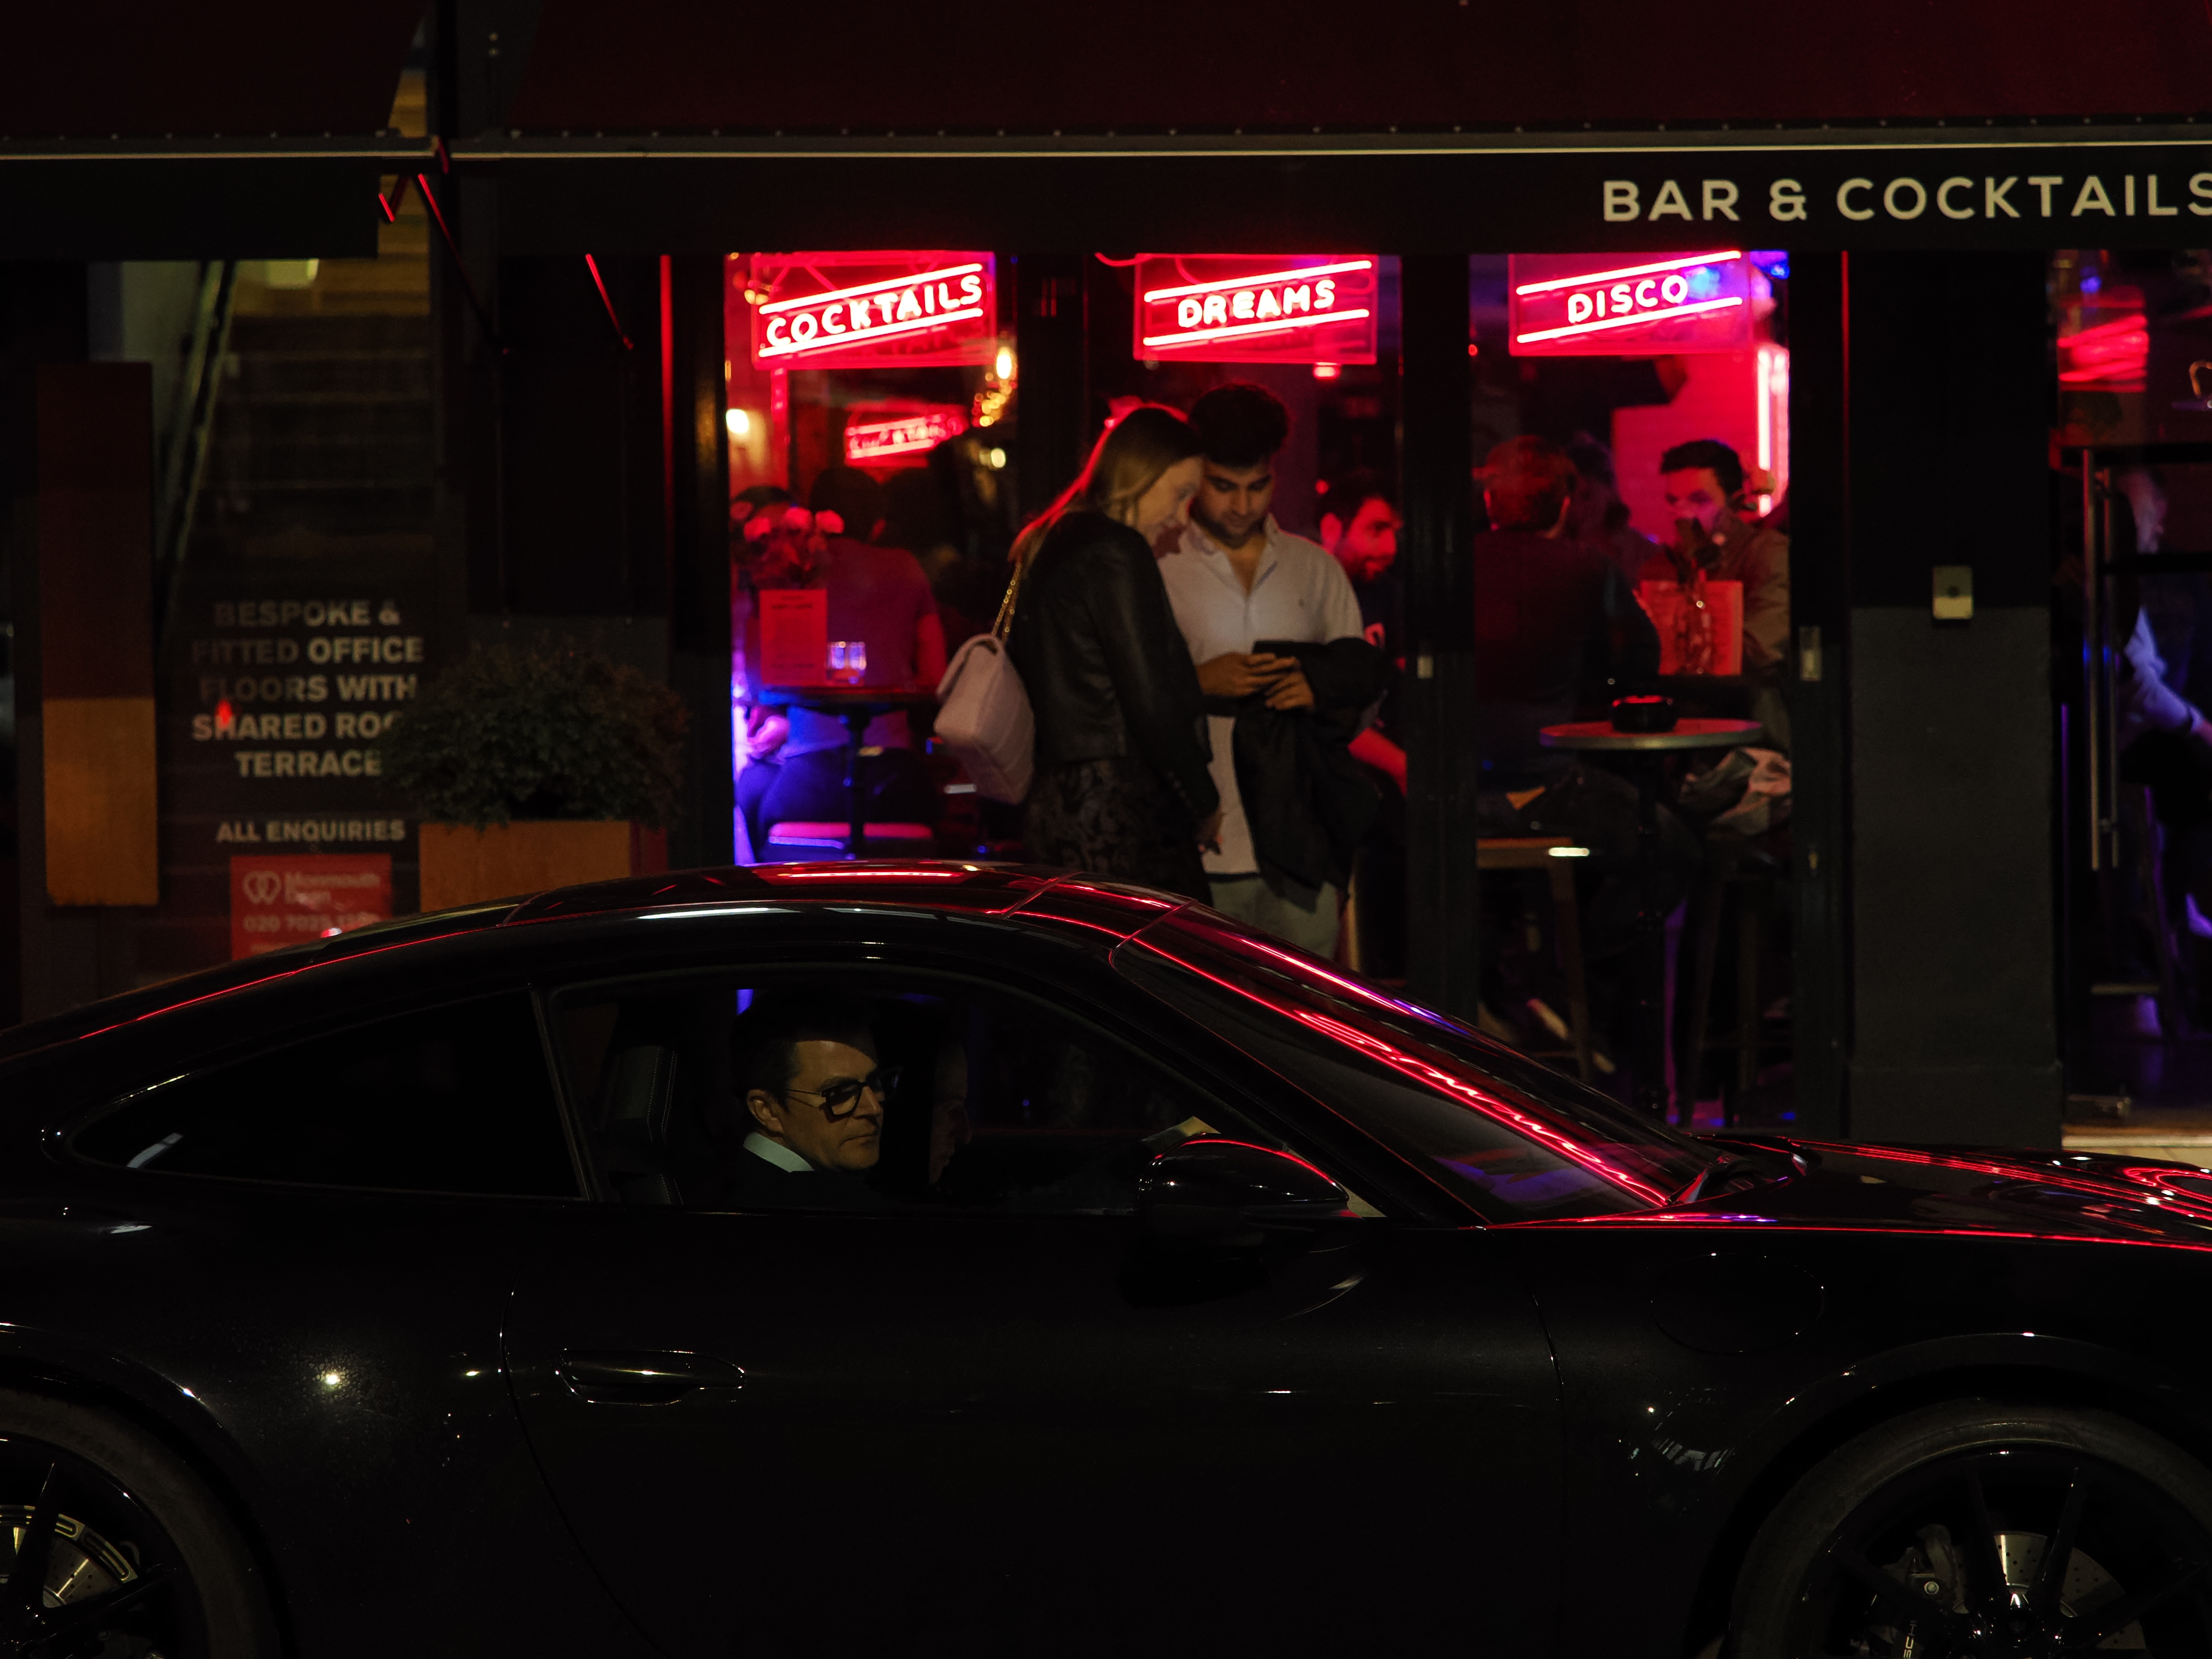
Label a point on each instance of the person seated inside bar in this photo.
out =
(1558, 637)
(878, 596)
(1712, 542)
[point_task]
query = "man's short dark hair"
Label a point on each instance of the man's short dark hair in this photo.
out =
(763, 1041)
(1711, 455)
(1240, 424)
(1527, 480)
(1348, 492)
(1593, 460)
(852, 495)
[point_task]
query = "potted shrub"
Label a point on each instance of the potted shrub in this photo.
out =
(536, 768)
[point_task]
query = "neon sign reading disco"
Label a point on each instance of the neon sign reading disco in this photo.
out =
(1585, 305)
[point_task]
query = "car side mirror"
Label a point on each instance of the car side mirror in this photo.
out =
(1213, 1187)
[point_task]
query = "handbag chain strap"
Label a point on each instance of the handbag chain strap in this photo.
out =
(1006, 605)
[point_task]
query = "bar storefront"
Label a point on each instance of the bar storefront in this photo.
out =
(652, 312)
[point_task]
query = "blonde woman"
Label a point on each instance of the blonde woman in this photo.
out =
(1122, 785)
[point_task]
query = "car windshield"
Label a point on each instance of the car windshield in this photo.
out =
(1513, 1138)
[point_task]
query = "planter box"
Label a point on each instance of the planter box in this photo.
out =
(461, 866)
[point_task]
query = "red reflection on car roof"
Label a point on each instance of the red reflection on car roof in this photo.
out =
(856, 872)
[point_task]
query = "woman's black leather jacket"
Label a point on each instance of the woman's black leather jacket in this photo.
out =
(1105, 665)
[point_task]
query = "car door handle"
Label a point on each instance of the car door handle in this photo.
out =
(644, 1379)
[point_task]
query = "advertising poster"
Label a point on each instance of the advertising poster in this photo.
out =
(278, 900)
(278, 679)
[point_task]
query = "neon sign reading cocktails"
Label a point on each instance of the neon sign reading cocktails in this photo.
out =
(1260, 308)
(1577, 305)
(875, 309)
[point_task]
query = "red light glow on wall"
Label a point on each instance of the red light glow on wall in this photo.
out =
(1598, 305)
(2108, 356)
(1256, 308)
(884, 309)
(899, 437)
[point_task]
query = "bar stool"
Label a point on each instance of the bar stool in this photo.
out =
(800, 839)
(1744, 875)
(1546, 853)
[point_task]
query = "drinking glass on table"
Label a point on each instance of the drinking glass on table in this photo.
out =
(849, 661)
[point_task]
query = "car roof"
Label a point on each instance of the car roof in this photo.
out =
(1108, 910)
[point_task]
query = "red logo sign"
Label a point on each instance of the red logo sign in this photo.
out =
(1579, 305)
(880, 436)
(283, 899)
(1256, 308)
(886, 309)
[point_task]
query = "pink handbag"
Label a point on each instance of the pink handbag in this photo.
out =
(984, 716)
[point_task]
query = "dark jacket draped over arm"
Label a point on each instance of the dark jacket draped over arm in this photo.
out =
(1308, 802)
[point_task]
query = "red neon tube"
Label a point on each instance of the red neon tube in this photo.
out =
(1231, 331)
(1694, 309)
(775, 306)
(1227, 282)
(1591, 276)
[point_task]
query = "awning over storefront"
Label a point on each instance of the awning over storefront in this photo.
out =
(1214, 65)
(1591, 124)
(240, 129)
(243, 68)
(1935, 188)
(694, 126)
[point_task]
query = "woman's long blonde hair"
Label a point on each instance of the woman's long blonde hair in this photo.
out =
(1126, 461)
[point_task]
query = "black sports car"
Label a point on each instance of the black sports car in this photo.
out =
(528, 1279)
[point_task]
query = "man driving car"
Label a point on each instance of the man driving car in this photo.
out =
(814, 1099)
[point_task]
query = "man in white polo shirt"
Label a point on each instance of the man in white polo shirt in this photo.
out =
(1238, 579)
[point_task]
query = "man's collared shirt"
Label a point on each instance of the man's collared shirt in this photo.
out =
(1298, 592)
(775, 1152)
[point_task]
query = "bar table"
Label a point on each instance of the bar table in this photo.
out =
(856, 706)
(1647, 751)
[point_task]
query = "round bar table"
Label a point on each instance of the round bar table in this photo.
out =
(1650, 751)
(856, 706)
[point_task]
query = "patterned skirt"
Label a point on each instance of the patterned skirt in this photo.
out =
(1115, 817)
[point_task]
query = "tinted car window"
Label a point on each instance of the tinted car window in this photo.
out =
(990, 1101)
(1514, 1139)
(447, 1100)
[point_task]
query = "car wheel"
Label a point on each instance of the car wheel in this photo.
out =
(1984, 1529)
(131, 1555)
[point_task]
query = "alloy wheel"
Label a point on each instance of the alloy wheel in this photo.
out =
(88, 1573)
(2012, 1553)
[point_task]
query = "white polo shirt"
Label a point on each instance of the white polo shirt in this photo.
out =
(1298, 592)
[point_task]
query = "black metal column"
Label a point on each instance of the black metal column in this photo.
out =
(1820, 610)
(1441, 773)
(1953, 968)
(1052, 408)
(699, 548)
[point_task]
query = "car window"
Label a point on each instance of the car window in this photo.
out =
(1514, 1140)
(978, 1099)
(455, 1099)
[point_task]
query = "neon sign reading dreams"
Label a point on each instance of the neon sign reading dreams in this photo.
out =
(909, 309)
(1570, 305)
(1256, 309)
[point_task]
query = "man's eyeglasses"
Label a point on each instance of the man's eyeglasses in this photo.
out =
(842, 1098)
